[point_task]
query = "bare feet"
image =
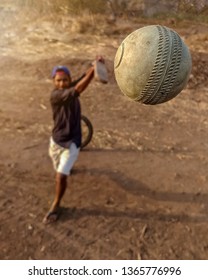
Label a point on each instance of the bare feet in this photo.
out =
(52, 216)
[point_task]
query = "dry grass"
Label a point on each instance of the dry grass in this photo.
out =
(64, 6)
(75, 16)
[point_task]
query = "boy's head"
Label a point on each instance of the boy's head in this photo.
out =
(61, 77)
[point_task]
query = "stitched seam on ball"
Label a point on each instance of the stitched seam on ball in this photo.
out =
(177, 66)
(165, 91)
(155, 78)
(166, 57)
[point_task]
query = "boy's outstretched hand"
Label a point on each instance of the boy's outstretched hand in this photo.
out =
(100, 58)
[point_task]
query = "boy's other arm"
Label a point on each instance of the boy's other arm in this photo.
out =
(84, 82)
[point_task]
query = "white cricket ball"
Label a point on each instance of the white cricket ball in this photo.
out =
(152, 65)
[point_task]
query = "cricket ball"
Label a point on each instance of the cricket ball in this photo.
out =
(152, 65)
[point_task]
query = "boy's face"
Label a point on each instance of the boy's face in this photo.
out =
(62, 80)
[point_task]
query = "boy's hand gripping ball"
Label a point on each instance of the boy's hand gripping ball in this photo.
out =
(152, 65)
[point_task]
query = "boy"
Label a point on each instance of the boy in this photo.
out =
(66, 134)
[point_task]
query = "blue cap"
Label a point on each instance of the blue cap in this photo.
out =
(60, 68)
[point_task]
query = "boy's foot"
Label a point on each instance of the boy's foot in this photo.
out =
(52, 216)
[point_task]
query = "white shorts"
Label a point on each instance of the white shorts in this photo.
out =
(63, 159)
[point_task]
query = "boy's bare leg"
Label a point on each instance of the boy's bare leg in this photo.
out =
(61, 185)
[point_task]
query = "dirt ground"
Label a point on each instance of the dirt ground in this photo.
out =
(139, 190)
